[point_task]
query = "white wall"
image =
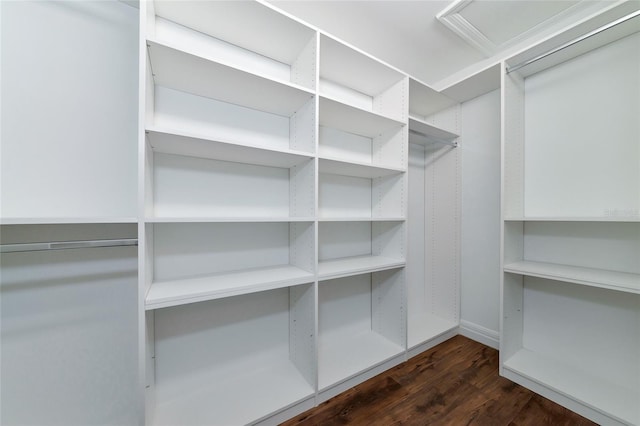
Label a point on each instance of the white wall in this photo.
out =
(480, 280)
(69, 109)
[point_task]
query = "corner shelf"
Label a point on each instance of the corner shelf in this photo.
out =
(429, 132)
(613, 280)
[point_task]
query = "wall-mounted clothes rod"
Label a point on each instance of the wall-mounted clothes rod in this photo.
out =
(434, 139)
(574, 41)
(66, 245)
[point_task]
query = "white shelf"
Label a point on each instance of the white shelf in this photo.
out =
(190, 290)
(186, 72)
(574, 219)
(478, 83)
(342, 355)
(64, 220)
(268, 388)
(271, 34)
(336, 114)
(596, 393)
(238, 219)
(612, 280)
(350, 68)
(424, 101)
(424, 326)
(360, 219)
(419, 125)
(356, 169)
(344, 267)
(194, 145)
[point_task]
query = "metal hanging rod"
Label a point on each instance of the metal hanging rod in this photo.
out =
(434, 139)
(66, 245)
(574, 41)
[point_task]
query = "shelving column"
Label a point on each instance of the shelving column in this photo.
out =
(571, 235)
(434, 192)
(229, 213)
(362, 163)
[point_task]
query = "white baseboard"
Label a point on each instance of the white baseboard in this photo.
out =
(480, 334)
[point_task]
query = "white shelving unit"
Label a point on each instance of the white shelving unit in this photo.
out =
(229, 209)
(571, 235)
(360, 328)
(274, 170)
(434, 202)
(211, 357)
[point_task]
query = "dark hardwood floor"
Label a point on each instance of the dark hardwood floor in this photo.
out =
(454, 383)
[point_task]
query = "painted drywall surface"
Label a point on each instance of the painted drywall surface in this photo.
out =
(480, 275)
(403, 33)
(69, 109)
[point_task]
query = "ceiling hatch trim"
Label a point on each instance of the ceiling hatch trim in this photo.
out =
(452, 17)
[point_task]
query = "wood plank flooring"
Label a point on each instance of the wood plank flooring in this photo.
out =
(454, 383)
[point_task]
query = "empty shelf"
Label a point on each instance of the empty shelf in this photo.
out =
(190, 290)
(193, 74)
(430, 130)
(611, 399)
(613, 280)
(218, 402)
(338, 167)
(423, 327)
(184, 143)
(336, 268)
(354, 120)
(343, 355)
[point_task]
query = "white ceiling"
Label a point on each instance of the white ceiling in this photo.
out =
(407, 34)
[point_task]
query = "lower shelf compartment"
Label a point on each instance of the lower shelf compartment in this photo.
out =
(424, 327)
(178, 292)
(248, 398)
(342, 355)
(232, 361)
(612, 400)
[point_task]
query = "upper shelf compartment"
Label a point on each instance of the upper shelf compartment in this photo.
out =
(619, 21)
(285, 50)
(356, 79)
(424, 101)
(200, 75)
